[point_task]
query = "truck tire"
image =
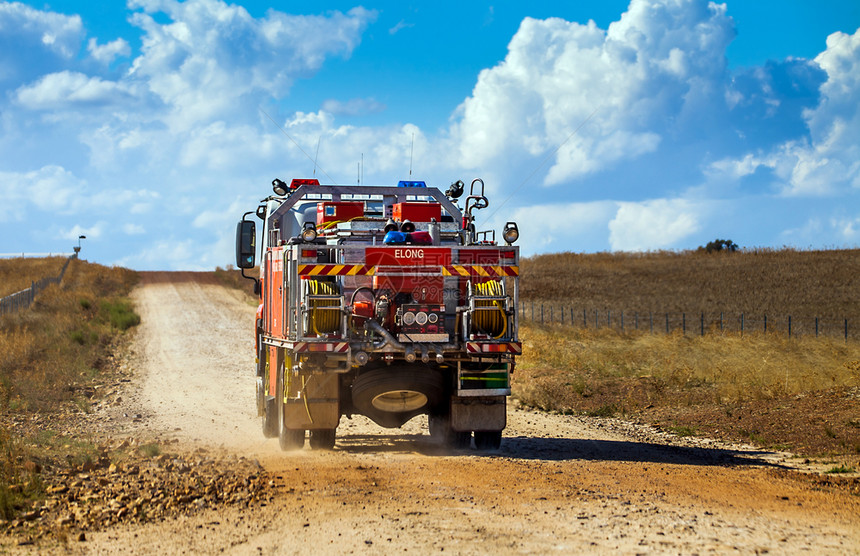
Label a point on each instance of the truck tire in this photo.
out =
(266, 406)
(322, 439)
(288, 439)
(488, 440)
(291, 439)
(390, 396)
(270, 417)
(441, 431)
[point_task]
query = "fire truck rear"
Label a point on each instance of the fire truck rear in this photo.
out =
(381, 301)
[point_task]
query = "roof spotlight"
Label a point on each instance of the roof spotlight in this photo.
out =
(279, 187)
(456, 189)
(510, 233)
(390, 226)
(407, 226)
(309, 232)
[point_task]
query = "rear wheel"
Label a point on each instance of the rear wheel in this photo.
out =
(322, 439)
(488, 440)
(441, 431)
(289, 439)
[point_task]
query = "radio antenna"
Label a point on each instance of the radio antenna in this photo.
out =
(297, 145)
(362, 168)
(317, 155)
(411, 152)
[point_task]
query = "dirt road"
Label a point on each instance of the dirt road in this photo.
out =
(559, 484)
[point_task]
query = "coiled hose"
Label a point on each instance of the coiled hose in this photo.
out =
(494, 323)
(320, 319)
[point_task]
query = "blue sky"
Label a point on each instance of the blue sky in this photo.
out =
(641, 125)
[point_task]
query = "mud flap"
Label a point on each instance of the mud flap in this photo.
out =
(312, 402)
(478, 414)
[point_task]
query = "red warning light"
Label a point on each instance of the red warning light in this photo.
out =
(298, 182)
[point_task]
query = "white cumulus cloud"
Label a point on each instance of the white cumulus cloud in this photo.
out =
(661, 63)
(60, 90)
(656, 224)
(826, 161)
(211, 55)
(561, 227)
(51, 188)
(58, 33)
(92, 232)
(106, 53)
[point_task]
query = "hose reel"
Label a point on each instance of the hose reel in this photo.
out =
(489, 316)
(323, 307)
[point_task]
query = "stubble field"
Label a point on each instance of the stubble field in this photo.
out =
(799, 393)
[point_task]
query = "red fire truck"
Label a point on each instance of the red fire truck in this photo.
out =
(381, 301)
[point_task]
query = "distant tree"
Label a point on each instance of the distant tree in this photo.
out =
(720, 245)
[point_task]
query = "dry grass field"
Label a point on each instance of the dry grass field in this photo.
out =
(800, 393)
(59, 340)
(50, 354)
(232, 277)
(777, 283)
(18, 273)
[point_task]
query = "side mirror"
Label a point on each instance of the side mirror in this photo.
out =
(246, 243)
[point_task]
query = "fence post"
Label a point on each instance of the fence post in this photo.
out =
(721, 321)
(541, 313)
(667, 323)
(816, 327)
(584, 319)
(789, 326)
(846, 331)
(551, 319)
(703, 324)
(608, 318)
(765, 325)
(562, 315)
(742, 324)
(533, 311)
(684, 323)
(596, 321)
(622, 321)
(636, 320)
(651, 320)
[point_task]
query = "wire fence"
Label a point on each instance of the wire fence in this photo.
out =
(697, 323)
(24, 298)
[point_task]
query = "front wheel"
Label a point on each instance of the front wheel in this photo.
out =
(268, 409)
